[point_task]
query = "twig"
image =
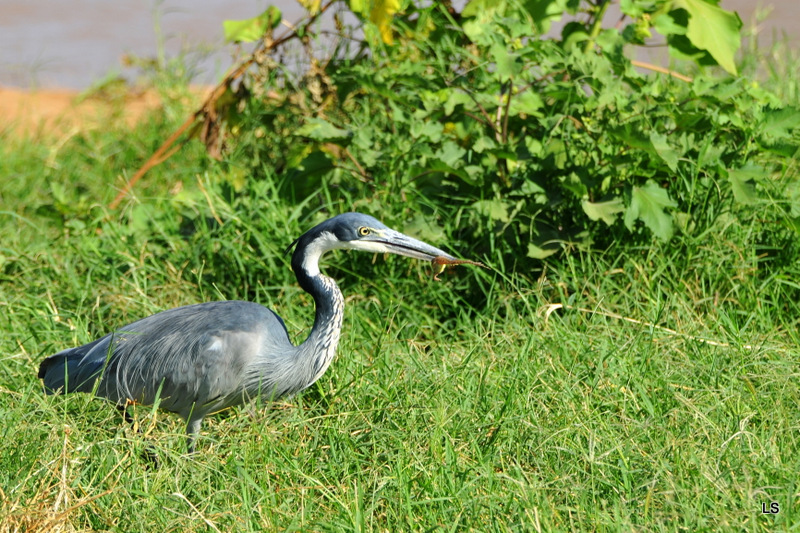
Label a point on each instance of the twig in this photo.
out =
(361, 170)
(662, 70)
(483, 111)
(155, 159)
(163, 153)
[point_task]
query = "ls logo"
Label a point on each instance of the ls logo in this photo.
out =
(770, 508)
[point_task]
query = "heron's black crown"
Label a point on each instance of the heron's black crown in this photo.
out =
(346, 227)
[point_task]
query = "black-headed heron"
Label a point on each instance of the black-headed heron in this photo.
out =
(202, 358)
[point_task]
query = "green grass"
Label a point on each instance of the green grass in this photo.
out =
(663, 395)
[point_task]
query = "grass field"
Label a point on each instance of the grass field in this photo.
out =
(647, 389)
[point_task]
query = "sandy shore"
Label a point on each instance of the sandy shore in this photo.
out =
(57, 112)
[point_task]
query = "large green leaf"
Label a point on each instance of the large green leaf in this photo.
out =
(648, 204)
(492, 209)
(664, 150)
(713, 29)
(249, 30)
(781, 122)
(777, 131)
(505, 62)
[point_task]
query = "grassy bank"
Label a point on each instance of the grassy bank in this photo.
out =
(635, 388)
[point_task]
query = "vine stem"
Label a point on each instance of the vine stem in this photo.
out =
(662, 70)
(597, 25)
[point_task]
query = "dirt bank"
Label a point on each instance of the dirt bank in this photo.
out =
(52, 113)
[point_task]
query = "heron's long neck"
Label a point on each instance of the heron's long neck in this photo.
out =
(317, 351)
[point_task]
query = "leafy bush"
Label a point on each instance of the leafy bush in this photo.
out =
(531, 143)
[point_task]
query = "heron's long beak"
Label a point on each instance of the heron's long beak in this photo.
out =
(397, 243)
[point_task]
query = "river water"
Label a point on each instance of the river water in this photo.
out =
(73, 44)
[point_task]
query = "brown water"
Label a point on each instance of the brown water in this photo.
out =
(74, 43)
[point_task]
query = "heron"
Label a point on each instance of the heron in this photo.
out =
(203, 358)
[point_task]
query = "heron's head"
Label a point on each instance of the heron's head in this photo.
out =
(355, 231)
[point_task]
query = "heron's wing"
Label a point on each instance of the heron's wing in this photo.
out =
(189, 356)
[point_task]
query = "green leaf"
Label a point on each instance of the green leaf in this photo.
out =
(605, 211)
(648, 204)
(573, 183)
(427, 130)
(779, 123)
(527, 102)
(532, 191)
(664, 150)
(455, 97)
(478, 32)
(250, 30)
(634, 139)
(483, 8)
(631, 8)
(321, 130)
(545, 12)
(611, 42)
(483, 143)
(792, 194)
(451, 154)
(540, 253)
(556, 150)
(573, 34)
(681, 48)
(312, 6)
(741, 179)
(493, 209)
(380, 13)
(467, 174)
(666, 25)
(713, 29)
(505, 62)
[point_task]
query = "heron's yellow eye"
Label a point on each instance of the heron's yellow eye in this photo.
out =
(364, 231)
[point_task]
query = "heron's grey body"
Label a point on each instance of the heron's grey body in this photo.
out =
(199, 359)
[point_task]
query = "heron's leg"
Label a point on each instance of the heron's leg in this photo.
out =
(123, 408)
(125, 414)
(192, 430)
(149, 454)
